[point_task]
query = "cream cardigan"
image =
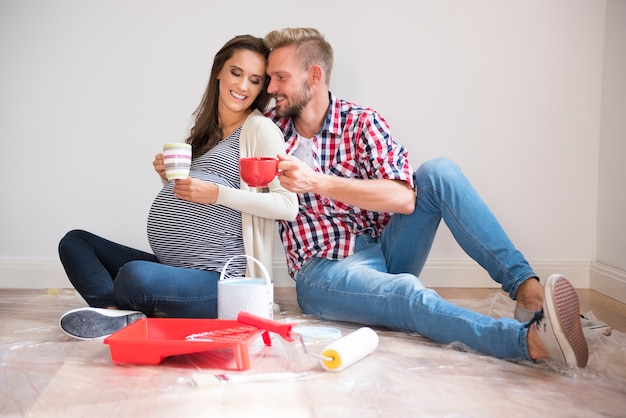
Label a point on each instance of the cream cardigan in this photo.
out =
(260, 208)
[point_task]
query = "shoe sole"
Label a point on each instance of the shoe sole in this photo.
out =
(563, 310)
(90, 325)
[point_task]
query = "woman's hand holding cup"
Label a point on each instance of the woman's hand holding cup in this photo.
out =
(196, 190)
(159, 166)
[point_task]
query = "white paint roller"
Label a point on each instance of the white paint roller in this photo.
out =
(347, 350)
(336, 356)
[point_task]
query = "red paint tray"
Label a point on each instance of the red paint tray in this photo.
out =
(151, 340)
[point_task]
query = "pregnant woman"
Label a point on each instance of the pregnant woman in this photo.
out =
(195, 225)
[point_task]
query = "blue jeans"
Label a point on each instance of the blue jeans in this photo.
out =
(378, 285)
(109, 274)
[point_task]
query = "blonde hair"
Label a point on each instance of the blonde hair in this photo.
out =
(311, 47)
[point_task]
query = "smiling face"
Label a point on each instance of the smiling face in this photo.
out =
(241, 80)
(288, 82)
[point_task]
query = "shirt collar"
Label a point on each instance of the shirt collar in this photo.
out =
(334, 114)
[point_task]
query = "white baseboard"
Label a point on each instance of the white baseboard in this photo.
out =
(608, 280)
(470, 274)
(50, 274)
(453, 273)
(33, 274)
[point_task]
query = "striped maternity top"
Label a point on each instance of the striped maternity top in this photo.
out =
(200, 236)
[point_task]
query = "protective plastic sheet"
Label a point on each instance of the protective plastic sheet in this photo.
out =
(46, 373)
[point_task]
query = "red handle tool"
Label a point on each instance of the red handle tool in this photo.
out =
(284, 330)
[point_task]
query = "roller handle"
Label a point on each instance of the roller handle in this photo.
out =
(284, 330)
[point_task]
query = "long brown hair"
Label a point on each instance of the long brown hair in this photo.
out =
(206, 132)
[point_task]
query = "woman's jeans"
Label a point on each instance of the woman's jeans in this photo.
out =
(109, 274)
(378, 285)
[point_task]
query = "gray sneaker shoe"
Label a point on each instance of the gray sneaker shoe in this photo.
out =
(94, 323)
(559, 324)
(594, 324)
(523, 315)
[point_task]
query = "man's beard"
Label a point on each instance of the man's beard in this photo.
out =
(294, 109)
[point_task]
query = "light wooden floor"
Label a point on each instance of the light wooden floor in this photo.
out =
(44, 373)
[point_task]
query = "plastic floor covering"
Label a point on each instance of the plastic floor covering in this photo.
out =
(45, 373)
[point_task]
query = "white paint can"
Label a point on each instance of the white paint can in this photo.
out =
(254, 295)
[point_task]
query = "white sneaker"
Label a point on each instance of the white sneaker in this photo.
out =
(94, 323)
(559, 325)
(524, 315)
(594, 324)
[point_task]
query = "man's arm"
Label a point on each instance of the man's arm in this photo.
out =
(380, 195)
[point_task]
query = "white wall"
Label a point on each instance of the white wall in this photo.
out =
(91, 89)
(609, 269)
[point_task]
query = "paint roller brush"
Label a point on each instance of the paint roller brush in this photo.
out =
(336, 356)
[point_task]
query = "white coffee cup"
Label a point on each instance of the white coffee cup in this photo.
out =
(177, 160)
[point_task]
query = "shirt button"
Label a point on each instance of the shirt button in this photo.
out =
(326, 201)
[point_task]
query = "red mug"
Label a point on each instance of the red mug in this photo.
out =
(258, 171)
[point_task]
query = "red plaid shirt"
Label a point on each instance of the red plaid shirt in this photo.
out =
(353, 142)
